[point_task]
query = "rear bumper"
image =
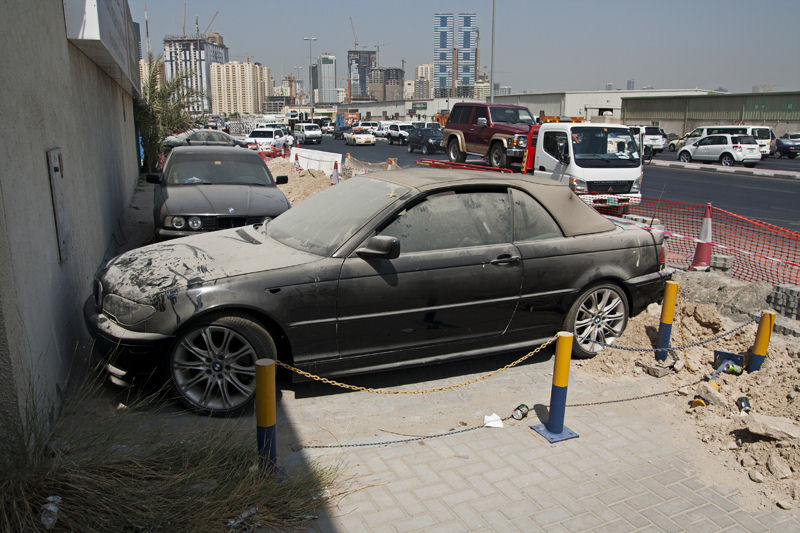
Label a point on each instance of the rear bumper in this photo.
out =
(647, 289)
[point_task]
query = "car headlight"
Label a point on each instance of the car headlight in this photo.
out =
(175, 222)
(577, 184)
(126, 312)
(637, 185)
(195, 223)
(519, 141)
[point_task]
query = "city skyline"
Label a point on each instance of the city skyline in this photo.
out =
(574, 45)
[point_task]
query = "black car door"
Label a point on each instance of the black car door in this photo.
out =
(457, 280)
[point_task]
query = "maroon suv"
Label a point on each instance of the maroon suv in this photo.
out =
(496, 131)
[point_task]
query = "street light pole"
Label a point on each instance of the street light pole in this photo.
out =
(491, 68)
(310, 78)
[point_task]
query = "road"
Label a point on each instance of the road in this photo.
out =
(773, 200)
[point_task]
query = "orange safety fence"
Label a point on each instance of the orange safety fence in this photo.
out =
(760, 251)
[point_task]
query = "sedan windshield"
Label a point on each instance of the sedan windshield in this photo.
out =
(597, 147)
(324, 221)
(510, 115)
(225, 170)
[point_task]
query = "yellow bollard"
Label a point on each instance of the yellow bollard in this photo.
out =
(759, 351)
(266, 412)
(554, 430)
(667, 316)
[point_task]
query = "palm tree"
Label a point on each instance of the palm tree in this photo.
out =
(161, 110)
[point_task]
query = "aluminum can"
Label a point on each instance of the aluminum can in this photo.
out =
(520, 412)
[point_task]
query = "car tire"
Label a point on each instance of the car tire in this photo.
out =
(599, 313)
(425, 149)
(685, 157)
(671, 147)
(497, 156)
(726, 160)
(454, 154)
(212, 363)
(410, 148)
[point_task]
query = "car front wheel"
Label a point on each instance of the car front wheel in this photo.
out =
(497, 156)
(410, 148)
(599, 315)
(726, 160)
(684, 157)
(213, 363)
(454, 154)
(425, 149)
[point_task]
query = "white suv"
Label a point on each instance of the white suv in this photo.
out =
(726, 148)
(651, 136)
(267, 138)
(398, 133)
(308, 133)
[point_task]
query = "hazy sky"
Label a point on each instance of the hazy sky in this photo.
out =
(539, 45)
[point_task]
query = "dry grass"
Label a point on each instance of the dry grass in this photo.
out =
(136, 469)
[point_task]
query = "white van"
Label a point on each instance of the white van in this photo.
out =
(705, 131)
(307, 133)
(764, 137)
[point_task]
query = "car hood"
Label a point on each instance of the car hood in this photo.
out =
(143, 273)
(510, 129)
(229, 200)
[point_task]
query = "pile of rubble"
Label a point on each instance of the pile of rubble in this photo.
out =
(757, 440)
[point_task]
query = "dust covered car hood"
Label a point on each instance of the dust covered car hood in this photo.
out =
(231, 200)
(143, 273)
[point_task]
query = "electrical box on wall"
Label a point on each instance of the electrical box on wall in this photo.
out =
(56, 170)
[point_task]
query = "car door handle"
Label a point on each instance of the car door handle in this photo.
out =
(505, 259)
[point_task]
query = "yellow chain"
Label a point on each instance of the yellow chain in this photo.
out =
(423, 391)
(683, 331)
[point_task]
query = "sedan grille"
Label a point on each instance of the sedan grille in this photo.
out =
(211, 223)
(609, 187)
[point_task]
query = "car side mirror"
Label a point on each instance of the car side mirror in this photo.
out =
(153, 178)
(281, 180)
(563, 153)
(381, 247)
(482, 121)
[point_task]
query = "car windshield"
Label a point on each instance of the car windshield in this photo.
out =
(325, 220)
(510, 115)
(312, 128)
(434, 125)
(743, 139)
(761, 133)
(405, 127)
(262, 134)
(599, 147)
(213, 169)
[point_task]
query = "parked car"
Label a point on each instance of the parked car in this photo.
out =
(306, 133)
(652, 136)
(371, 125)
(266, 139)
(199, 137)
(427, 140)
(788, 145)
(328, 127)
(398, 133)
(498, 132)
(676, 142)
(359, 136)
(725, 148)
(209, 188)
(409, 267)
(339, 132)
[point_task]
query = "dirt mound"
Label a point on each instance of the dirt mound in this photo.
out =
(714, 305)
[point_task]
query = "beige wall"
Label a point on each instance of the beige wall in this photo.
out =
(58, 98)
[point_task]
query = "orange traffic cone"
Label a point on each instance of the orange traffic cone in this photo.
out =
(335, 175)
(702, 254)
(296, 163)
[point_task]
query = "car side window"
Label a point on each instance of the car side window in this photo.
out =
(551, 141)
(706, 142)
(453, 220)
(531, 221)
(480, 112)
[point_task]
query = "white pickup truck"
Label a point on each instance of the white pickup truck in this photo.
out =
(600, 162)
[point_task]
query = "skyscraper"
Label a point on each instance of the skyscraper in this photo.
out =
(630, 85)
(360, 63)
(191, 56)
(326, 78)
(455, 54)
(238, 87)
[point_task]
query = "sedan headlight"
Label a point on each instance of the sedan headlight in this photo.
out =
(126, 312)
(577, 184)
(175, 222)
(195, 223)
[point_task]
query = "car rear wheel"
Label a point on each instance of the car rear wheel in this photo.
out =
(726, 160)
(454, 154)
(684, 157)
(497, 156)
(213, 363)
(599, 315)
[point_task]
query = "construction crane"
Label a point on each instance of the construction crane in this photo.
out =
(210, 23)
(378, 52)
(355, 39)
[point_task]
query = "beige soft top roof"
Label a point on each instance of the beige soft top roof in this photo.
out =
(573, 215)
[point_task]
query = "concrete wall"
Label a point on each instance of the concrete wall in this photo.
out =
(53, 96)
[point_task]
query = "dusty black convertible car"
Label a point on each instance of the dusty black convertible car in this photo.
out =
(398, 268)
